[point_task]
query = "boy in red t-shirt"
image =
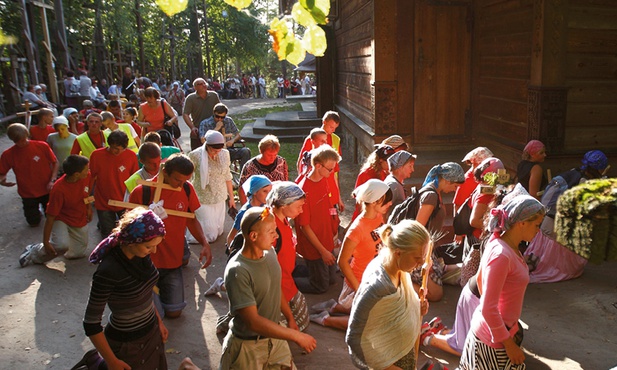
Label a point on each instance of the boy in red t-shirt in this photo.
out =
(110, 168)
(329, 123)
(43, 128)
(66, 224)
(318, 223)
(35, 167)
(168, 258)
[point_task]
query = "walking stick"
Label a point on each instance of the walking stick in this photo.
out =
(425, 269)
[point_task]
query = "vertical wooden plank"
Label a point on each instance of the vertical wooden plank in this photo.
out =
(384, 99)
(51, 73)
(547, 97)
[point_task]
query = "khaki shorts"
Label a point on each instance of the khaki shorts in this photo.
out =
(259, 354)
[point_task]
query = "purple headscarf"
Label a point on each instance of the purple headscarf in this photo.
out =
(144, 226)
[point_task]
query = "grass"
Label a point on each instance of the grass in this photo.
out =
(289, 151)
(262, 112)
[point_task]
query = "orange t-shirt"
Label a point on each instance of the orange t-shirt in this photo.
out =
(155, 116)
(363, 231)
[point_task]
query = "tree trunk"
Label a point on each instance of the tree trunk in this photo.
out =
(99, 42)
(140, 39)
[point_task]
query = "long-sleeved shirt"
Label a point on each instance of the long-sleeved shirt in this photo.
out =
(504, 279)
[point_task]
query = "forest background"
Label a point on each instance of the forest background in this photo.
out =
(209, 38)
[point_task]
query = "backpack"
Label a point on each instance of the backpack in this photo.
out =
(408, 210)
(74, 88)
(558, 185)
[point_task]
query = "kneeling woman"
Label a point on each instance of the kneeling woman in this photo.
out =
(385, 316)
(493, 341)
(124, 281)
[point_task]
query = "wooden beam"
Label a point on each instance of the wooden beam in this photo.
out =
(41, 4)
(51, 72)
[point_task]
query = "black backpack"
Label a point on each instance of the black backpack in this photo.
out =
(408, 210)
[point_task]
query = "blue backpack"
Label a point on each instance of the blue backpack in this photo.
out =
(558, 185)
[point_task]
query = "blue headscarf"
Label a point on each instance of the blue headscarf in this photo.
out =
(254, 183)
(449, 171)
(594, 159)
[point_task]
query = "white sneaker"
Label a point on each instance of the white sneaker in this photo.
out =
(215, 287)
(319, 318)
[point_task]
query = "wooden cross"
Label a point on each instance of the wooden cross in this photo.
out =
(159, 185)
(27, 114)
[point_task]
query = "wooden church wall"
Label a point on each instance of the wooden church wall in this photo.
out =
(591, 76)
(354, 69)
(500, 76)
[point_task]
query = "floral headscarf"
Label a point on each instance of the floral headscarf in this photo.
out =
(519, 208)
(144, 227)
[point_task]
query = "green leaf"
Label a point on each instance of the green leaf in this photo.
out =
(172, 7)
(314, 41)
(319, 9)
(302, 16)
(239, 4)
(295, 52)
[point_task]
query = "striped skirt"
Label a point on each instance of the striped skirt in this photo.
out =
(479, 356)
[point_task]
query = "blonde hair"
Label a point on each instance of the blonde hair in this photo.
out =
(407, 236)
(269, 142)
(324, 154)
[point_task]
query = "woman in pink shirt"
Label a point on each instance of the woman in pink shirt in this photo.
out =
(495, 336)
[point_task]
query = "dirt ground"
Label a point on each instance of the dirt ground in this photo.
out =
(572, 325)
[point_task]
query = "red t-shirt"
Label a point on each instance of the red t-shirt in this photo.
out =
(169, 253)
(66, 201)
(80, 127)
(32, 165)
(476, 198)
(40, 134)
(316, 213)
(362, 231)
(464, 191)
(332, 183)
(110, 172)
(287, 258)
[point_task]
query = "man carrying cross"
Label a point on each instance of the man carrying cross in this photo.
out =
(179, 201)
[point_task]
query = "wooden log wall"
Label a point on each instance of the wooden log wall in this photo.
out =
(354, 58)
(501, 73)
(591, 76)
(353, 74)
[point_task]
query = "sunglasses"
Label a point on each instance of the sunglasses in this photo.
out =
(262, 216)
(219, 116)
(216, 146)
(328, 169)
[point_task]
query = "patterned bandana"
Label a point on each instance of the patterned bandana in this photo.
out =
(398, 159)
(145, 226)
(284, 193)
(594, 159)
(533, 147)
(478, 154)
(450, 171)
(519, 208)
